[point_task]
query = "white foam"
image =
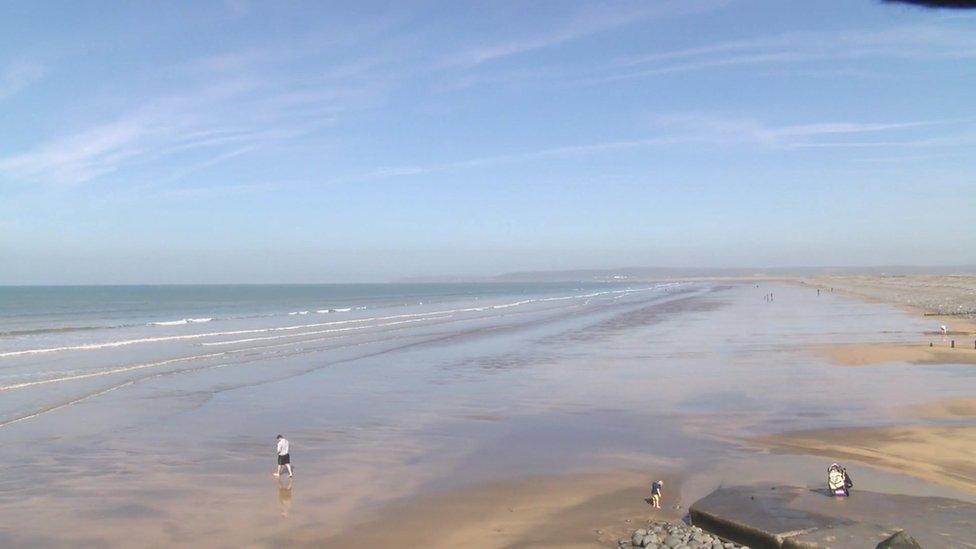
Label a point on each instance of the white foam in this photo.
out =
(65, 405)
(330, 331)
(181, 321)
(106, 372)
(125, 342)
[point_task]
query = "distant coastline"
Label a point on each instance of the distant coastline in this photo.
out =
(646, 274)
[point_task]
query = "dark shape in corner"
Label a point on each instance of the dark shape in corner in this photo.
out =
(951, 4)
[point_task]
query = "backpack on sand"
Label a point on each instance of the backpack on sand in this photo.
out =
(839, 483)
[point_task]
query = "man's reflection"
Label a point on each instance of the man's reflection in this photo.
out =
(284, 497)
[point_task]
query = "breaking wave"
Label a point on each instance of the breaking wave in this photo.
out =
(423, 315)
(181, 322)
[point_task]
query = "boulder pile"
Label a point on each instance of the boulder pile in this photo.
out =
(675, 535)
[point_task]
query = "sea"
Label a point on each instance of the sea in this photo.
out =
(70, 343)
(30, 310)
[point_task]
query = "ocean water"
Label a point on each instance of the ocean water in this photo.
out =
(61, 345)
(27, 310)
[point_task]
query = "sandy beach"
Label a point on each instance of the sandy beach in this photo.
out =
(585, 510)
(940, 453)
(920, 443)
(501, 423)
(862, 354)
(951, 408)
(952, 297)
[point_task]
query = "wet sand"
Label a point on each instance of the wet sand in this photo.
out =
(561, 413)
(940, 453)
(948, 301)
(920, 443)
(584, 510)
(572, 511)
(953, 297)
(862, 354)
(950, 408)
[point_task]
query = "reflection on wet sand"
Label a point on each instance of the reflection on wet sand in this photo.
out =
(284, 496)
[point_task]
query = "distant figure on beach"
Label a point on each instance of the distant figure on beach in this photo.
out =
(838, 481)
(283, 457)
(657, 491)
(945, 329)
(818, 291)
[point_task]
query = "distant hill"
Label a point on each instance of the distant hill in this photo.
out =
(669, 273)
(659, 273)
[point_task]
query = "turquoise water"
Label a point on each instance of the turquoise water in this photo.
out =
(60, 346)
(28, 310)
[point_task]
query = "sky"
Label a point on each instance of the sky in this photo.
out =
(245, 141)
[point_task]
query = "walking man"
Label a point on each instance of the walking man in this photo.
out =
(283, 457)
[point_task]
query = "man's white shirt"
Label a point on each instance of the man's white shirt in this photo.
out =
(282, 447)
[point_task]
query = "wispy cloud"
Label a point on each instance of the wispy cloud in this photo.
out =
(488, 161)
(694, 129)
(82, 156)
(167, 126)
(799, 49)
(721, 129)
(18, 75)
(584, 22)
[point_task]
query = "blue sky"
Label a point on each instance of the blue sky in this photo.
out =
(248, 141)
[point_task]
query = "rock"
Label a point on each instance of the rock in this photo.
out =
(900, 540)
(665, 535)
(800, 517)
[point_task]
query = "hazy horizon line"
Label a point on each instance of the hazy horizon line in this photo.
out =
(635, 272)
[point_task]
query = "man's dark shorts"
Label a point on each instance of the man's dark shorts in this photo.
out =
(284, 460)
